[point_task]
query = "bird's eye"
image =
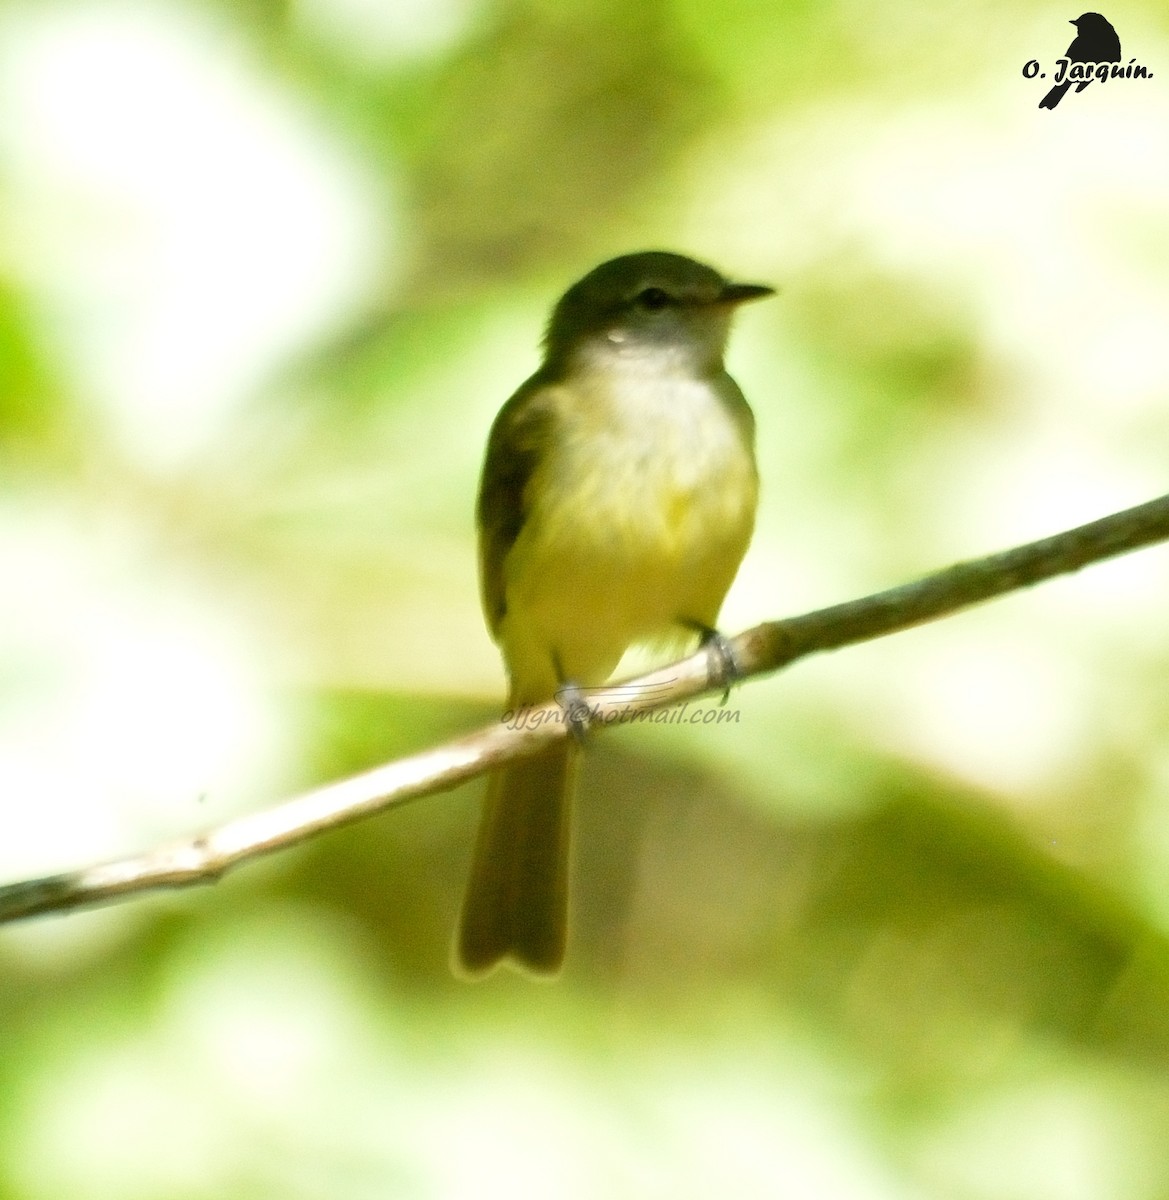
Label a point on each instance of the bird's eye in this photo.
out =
(653, 298)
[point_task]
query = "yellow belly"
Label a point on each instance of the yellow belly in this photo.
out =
(637, 523)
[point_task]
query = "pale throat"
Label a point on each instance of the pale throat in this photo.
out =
(624, 357)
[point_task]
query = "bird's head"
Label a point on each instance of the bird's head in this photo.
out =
(651, 306)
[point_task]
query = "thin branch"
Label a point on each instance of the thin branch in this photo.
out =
(758, 651)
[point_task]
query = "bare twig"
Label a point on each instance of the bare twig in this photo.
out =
(765, 648)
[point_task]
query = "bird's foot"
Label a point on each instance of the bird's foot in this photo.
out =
(723, 668)
(577, 713)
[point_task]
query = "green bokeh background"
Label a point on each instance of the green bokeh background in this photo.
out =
(267, 270)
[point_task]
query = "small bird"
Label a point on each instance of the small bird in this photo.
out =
(1095, 42)
(616, 502)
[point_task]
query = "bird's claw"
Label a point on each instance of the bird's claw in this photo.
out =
(723, 668)
(577, 713)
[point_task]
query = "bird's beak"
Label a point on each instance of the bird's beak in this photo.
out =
(740, 293)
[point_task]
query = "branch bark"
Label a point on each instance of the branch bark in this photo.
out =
(758, 651)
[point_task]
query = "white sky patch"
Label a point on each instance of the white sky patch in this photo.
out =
(181, 225)
(1054, 1138)
(1002, 711)
(129, 710)
(382, 32)
(1061, 273)
(1062, 266)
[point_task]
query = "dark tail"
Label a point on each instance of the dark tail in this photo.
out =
(1056, 95)
(516, 904)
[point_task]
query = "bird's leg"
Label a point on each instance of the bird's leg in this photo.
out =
(570, 697)
(723, 668)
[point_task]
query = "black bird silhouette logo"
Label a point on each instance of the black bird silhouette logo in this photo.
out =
(1095, 42)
